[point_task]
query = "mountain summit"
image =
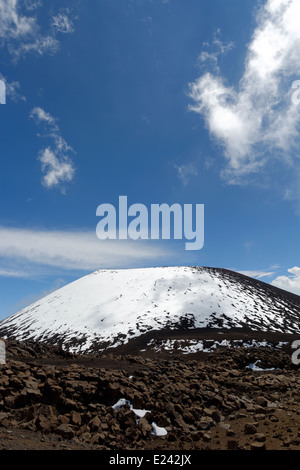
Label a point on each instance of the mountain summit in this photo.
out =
(111, 308)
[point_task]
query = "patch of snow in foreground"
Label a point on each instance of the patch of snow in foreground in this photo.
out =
(156, 430)
(139, 413)
(122, 402)
(255, 368)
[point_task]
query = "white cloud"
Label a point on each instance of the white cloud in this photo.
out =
(22, 33)
(12, 23)
(12, 273)
(291, 282)
(58, 168)
(40, 115)
(68, 250)
(258, 118)
(57, 171)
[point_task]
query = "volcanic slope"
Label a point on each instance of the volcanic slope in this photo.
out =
(111, 308)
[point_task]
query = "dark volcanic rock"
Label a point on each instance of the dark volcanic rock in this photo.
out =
(214, 402)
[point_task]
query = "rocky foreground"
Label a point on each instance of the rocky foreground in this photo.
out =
(50, 399)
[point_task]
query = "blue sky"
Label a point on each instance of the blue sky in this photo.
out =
(161, 101)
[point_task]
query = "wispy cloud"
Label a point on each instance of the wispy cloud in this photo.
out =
(13, 90)
(69, 250)
(290, 282)
(62, 22)
(39, 45)
(57, 167)
(13, 24)
(257, 274)
(210, 53)
(32, 4)
(12, 273)
(185, 172)
(257, 120)
(21, 33)
(41, 116)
